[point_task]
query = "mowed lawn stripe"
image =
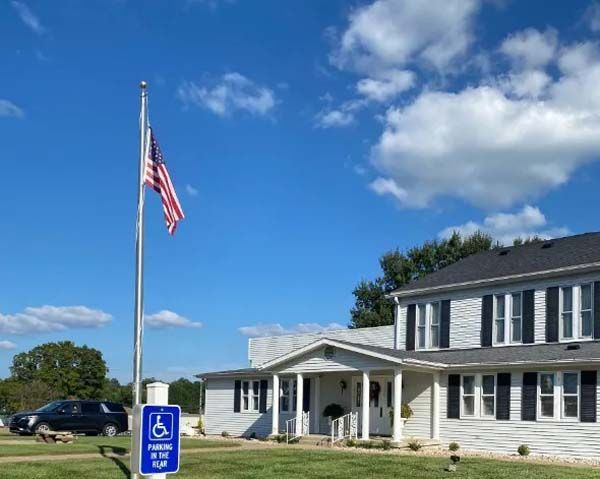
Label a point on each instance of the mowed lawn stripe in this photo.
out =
(302, 464)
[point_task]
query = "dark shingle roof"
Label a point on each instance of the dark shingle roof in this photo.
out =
(516, 260)
(231, 372)
(497, 355)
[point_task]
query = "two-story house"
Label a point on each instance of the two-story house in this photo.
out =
(497, 350)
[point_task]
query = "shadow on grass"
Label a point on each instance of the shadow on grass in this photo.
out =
(116, 451)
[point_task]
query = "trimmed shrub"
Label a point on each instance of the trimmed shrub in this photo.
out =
(386, 445)
(334, 411)
(351, 443)
(523, 450)
(225, 434)
(415, 445)
(453, 446)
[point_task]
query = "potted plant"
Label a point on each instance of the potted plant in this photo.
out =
(333, 411)
(405, 413)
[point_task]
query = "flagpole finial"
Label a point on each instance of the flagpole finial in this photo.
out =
(143, 85)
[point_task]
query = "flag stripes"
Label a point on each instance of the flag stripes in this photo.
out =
(157, 177)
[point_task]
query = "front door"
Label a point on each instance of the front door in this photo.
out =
(380, 404)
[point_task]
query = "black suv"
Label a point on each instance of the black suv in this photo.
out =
(89, 417)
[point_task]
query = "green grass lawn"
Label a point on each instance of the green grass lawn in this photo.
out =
(116, 445)
(300, 464)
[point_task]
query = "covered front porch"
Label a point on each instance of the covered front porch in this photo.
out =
(314, 380)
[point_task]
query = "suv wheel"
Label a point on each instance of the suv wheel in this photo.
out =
(42, 428)
(110, 430)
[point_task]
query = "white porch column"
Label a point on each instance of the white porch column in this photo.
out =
(435, 406)
(316, 414)
(299, 397)
(365, 406)
(275, 405)
(398, 424)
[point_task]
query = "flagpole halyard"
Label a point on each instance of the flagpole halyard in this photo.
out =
(139, 257)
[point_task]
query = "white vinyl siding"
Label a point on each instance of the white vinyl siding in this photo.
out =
(561, 437)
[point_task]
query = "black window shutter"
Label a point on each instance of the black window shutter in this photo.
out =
(411, 318)
(597, 310)
(306, 394)
(445, 324)
(529, 397)
(264, 386)
(528, 317)
(587, 403)
(552, 314)
(487, 320)
(237, 396)
(453, 408)
(503, 396)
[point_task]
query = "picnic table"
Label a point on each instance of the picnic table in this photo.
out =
(53, 437)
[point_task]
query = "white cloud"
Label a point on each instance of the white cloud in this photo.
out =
(276, 329)
(504, 227)
(487, 148)
(169, 319)
(190, 190)
(387, 87)
(52, 318)
(7, 345)
(392, 33)
(334, 118)
(9, 109)
(28, 17)
(530, 48)
(232, 93)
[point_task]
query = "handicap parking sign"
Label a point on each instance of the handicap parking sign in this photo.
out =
(158, 442)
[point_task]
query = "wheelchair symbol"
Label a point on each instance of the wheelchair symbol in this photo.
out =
(161, 426)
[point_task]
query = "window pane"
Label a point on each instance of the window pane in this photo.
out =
(468, 406)
(488, 406)
(516, 304)
(567, 325)
(245, 387)
(255, 387)
(245, 403)
(571, 406)
(586, 296)
(499, 331)
(435, 313)
(547, 383)
(499, 306)
(422, 317)
(285, 403)
(567, 299)
(587, 326)
(435, 336)
(487, 384)
(468, 384)
(570, 383)
(421, 337)
(516, 330)
(547, 406)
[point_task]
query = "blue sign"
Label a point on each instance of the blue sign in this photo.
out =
(159, 439)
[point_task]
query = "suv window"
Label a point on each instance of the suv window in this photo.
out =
(90, 408)
(112, 407)
(71, 408)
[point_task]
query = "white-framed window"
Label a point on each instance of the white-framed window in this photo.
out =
(468, 396)
(499, 318)
(428, 325)
(586, 315)
(570, 395)
(488, 395)
(516, 319)
(566, 312)
(576, 312)
(250, 395)
(434, 325)
(287, 395)
(546, 395)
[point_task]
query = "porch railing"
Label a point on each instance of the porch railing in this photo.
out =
(293, 430)
(345, 427)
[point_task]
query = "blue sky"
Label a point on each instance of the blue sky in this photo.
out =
(304, 138)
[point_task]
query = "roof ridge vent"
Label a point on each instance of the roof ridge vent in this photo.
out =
(547, 244)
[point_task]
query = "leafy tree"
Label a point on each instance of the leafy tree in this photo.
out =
(187, 394)
(528, 240)
(371, 308)
(70, 371)
(19, 396)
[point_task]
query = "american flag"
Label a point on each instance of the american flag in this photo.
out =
(157, 177)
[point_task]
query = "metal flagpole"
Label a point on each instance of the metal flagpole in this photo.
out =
(139, 258)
